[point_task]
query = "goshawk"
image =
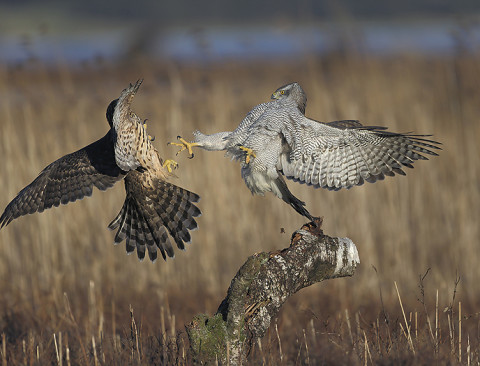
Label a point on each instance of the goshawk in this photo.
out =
(153, 207)
(276, 138)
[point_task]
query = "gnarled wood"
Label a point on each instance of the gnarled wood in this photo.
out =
(261, 286)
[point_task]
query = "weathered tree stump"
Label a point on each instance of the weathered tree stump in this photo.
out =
(261, 286)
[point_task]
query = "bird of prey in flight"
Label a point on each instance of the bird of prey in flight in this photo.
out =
(153, 207)
(276, 139)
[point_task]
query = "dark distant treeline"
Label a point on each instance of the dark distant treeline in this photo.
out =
(180, 11)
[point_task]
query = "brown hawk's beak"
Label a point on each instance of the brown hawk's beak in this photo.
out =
(126, 98)
(134, 88)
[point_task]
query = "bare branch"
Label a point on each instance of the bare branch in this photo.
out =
(261, 287)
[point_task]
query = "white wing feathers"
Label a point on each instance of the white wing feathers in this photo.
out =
(238, 135)
(343, 154)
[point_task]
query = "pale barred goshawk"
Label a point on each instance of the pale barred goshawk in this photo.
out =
(153, 207)
(276, 138)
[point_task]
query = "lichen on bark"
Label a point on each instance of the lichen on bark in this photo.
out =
(261, 286)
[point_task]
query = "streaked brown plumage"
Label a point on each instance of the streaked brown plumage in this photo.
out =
(153, 207)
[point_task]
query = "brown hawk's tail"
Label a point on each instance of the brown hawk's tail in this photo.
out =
(149, 214)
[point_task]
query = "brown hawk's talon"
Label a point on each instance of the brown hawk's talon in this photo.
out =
(170, 165)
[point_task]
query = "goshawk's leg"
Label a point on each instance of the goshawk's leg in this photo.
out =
(185, 145)
(248, 153)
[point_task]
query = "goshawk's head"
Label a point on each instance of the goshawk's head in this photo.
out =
(292, 91)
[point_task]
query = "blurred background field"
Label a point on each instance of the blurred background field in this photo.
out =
(66, 292)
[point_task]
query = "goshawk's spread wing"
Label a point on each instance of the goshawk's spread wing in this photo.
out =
(237, 135)
(343, 154)
(67, 179)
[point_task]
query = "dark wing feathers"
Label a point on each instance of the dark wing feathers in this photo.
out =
(139, 237)
(345, 124)
(342, 154)
(67, 179)
(130, 234)
(149, 213)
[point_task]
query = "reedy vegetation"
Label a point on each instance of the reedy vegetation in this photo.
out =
(63, 259)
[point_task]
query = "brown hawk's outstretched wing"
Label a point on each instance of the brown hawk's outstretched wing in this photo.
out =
(67, 179)
(148, 214)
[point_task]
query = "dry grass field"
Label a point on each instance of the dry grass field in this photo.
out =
(67, 294)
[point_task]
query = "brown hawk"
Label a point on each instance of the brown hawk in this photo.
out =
(153, 207)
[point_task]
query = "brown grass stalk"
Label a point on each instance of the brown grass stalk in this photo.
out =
(408, 336)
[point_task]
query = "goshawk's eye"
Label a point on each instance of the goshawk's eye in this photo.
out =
(282, 92)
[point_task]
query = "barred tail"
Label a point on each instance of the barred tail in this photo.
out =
(149, 214)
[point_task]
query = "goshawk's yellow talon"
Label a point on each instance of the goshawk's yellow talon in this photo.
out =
(249, 153)
(145, 123)
(185, 145)
(171, 165)
(151, 138)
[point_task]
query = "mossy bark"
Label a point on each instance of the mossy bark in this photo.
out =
(259, 289)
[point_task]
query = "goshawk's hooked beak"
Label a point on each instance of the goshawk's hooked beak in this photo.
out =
(275, 95)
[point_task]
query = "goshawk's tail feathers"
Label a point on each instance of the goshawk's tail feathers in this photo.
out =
(289, 198)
